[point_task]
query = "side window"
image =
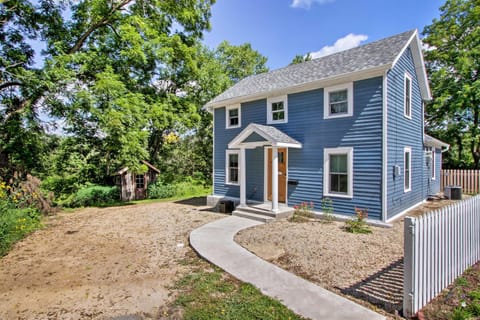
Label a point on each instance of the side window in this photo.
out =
(407, 165)
(433, 163)
(338, 101)
(277, 110)
(233, 117)
(338, 172)
(140, 181)
(408, 96)
(232, 167)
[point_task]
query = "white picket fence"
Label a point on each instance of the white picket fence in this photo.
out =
(439, 246)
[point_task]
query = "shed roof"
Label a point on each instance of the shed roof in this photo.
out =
(148, 164)
(381, 54)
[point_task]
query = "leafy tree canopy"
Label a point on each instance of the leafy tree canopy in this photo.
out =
(301, 58)
(453, 61)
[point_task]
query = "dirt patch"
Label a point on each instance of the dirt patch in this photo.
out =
(100, 263)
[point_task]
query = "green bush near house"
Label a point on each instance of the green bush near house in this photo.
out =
(190, 187)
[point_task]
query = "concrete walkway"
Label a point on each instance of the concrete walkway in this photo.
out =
(214, 242)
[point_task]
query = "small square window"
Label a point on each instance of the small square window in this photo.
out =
(233, 117)
(277, 110)
(140, 181)
(338, 101)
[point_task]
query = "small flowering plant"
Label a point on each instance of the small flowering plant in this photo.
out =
(303, 212)
(358, 224)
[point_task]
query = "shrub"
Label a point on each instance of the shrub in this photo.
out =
(159, 190)
(94, 195)
(327, 209)
(358, 225)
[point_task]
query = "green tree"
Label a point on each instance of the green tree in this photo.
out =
(300, 58)
(453, 60)
(241, 61)
(117, 72)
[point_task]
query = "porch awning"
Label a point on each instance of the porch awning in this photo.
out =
(430, 141)
(257, 135)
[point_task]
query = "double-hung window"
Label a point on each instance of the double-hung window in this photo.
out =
(232, 167)
(277, 110)
(338, 172)
(338, 101)
(407, 165)
(408, 96)
(433, 163)
(234, 117)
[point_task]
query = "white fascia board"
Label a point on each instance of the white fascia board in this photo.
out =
(339, 79)
(288, 145)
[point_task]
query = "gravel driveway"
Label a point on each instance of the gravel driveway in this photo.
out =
(100, 263)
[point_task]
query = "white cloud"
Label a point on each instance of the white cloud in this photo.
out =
(306, 4)
(349, 41)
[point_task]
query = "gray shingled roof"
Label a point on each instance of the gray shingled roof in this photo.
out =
(375, 54)
(272, 134)
(433, 142)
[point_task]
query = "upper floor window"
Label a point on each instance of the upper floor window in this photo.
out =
(277, 110)
(407, 165)
(338, 101)
(232, 167)
(338, 172)
(408, 96)
(234, 117)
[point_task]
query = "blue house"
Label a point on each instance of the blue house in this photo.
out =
(348, 126)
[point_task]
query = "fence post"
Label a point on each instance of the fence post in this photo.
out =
(408, 270)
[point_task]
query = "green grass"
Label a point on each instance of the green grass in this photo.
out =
(216, 295)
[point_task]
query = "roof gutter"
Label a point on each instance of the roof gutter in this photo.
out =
(350, 76)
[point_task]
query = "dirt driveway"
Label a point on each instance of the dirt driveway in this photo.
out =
(99, 263)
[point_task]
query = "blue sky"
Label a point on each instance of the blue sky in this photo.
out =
(281, 29)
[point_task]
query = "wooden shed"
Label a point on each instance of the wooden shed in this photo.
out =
(134, 186)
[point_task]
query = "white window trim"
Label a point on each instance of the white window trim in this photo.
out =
(283, 99)
(227, 116)
(409, 116)
(433, 167)
(326, 100)
(227, 169)
(405, 151)
(326, 169)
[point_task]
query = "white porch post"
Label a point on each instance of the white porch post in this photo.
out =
(243, 179)
(274, 179)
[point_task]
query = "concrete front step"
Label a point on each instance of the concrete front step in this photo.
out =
(252, 216)
(263, 215)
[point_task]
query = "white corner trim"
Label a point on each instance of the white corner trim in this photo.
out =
(326, 171)
(227, 116)
(433, 167)
(284, 99)
(326, 100)
(385, 147)
(409, 77)
(409, 151)
(227, 167)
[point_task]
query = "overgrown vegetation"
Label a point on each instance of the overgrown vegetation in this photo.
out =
(190, 187)
(460, 301)
(18, 215)
(213, 294)
(358, 224)
(327, 209)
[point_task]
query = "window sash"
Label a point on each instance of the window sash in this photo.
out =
(338, 173)
(407, 164)
(408, 96)
(139, 181)
(233, 168)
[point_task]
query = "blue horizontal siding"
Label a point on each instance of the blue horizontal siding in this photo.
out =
(403, 132)
(362, 131)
